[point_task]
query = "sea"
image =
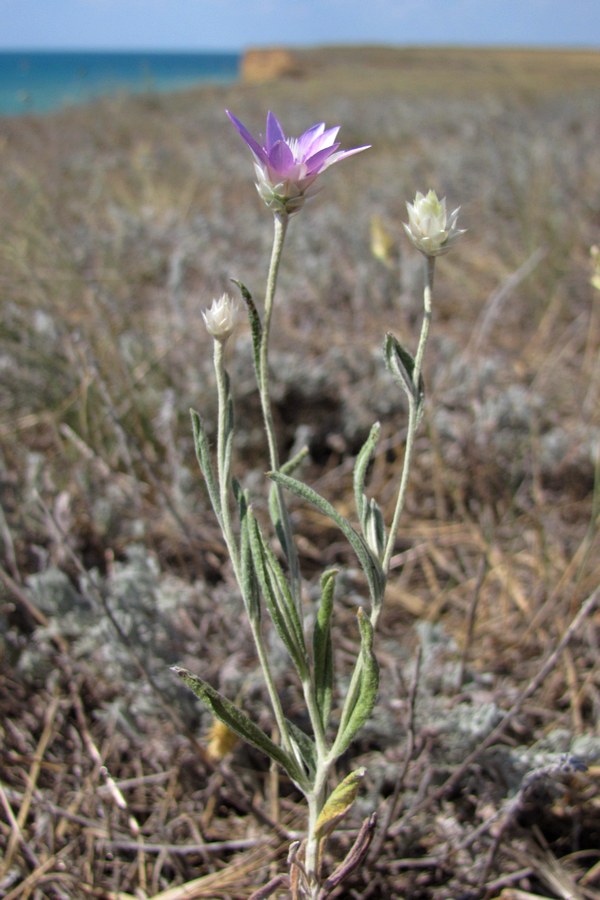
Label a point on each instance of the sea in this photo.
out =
(44, 81)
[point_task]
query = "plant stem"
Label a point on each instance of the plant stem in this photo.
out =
(280, 229)
(263, 658)
(415, 403)
(223, 457)
(224, 476)
(316, 800)
(427, 293)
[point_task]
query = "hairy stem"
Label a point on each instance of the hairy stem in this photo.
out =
(223, 461)
(316, 800)
(224, 477)
(280, 229)
(414, 411)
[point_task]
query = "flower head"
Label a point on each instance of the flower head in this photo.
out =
(220, 318)
(286, 167)
(429, 227)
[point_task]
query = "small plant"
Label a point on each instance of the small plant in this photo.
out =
(287, 171)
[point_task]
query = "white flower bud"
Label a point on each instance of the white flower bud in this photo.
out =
(220, 318)
(429, 227)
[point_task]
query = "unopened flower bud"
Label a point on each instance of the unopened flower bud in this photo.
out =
(220, 318)
(429, 227)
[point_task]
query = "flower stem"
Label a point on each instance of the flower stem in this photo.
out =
(427, 293)
(280, 229)
(415, 402)
(223, 457)
(224, 475)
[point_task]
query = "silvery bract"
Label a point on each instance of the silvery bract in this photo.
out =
(287, 167)
(429, 227)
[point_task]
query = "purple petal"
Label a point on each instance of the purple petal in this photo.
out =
(245, 134)
(281, 158)
(306, 140)
(336, 157)
(274, 131)
(326, 139)
(316, 162)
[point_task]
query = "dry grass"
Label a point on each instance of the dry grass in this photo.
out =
(119, 222)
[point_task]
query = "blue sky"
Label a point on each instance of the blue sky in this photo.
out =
(233, 24)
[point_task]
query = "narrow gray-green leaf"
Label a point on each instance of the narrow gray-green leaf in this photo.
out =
(305, 746)
(255, 323)
(232, 716)
(290, 466)
(374, 528)
(358, 710)
(275, 514)
(323, 648)
(360, 470)
(278, 597)
(367, 560)
(249, 585)
(402, 366)
(204, 461)
(274, 509)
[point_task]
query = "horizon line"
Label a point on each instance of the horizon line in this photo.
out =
(458, 45)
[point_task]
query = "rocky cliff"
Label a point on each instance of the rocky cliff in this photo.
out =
(260, 65)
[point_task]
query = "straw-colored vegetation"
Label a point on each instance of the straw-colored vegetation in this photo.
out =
(119, 222)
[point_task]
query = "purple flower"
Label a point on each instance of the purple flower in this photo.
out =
(286, 167)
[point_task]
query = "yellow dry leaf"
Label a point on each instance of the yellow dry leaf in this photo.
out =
(221, 741)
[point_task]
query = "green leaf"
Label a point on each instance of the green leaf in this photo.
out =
(278, 597)
(304, 745)
(255, 324)
(274, 510)
(339, 803)
(370, 565)
(249, 582)
(357, 710)
(232, 716)
(275, 514)
(323, 648)
(289, 467)
(374, 528)
(204, 461)
(369, 513)
(360, 470)
(402, 366)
